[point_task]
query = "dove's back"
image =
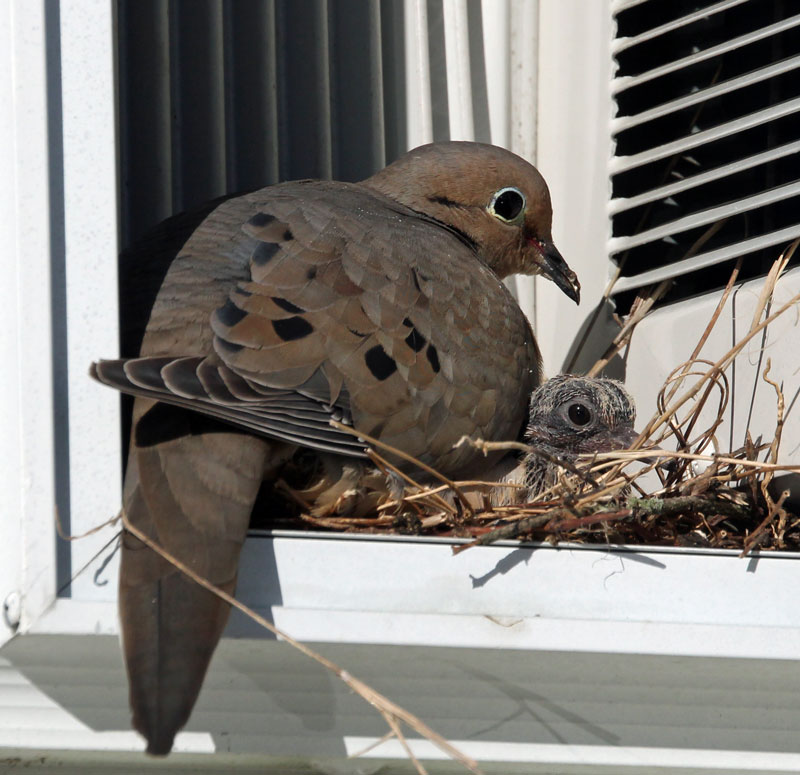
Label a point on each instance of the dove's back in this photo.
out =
(348, 299)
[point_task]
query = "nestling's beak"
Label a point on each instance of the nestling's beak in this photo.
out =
(621, 438)
(607, 440)
(554, 267)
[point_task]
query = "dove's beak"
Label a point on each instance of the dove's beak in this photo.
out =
(553, 266)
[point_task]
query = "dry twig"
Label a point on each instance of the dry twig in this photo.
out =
(392, 712)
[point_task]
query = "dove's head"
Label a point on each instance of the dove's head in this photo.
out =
(497, 200)
(574, 416)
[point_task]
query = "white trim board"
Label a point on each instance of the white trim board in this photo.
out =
(660, 759)
(593, 599)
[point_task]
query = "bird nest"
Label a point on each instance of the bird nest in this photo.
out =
(675, 487)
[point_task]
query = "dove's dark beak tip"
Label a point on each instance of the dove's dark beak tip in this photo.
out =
(555, 268)
(573, 290)
(558, 271)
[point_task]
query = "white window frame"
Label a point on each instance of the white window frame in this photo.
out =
(27, 552)
(571, 153)
(84, 204)
(387, 591)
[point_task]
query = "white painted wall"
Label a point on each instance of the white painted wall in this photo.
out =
(574, 111)
(58, 232)
(27, 551)
(91, 247)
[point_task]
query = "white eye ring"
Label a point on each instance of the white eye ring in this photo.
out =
(508, 205)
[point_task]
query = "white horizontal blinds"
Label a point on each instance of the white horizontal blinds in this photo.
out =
(707, 139)
(625, 82)
(675, 23)
(662, 192)
(697, 97)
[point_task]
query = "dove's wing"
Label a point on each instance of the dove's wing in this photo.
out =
(338, 302)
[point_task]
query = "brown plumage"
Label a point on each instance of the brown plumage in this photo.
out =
(379, 303)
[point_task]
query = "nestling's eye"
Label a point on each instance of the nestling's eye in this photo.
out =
(508, 204)
(579, 414)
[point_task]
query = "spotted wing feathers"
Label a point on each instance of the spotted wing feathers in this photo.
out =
(350, 292)
(338, 295)
(210, 387)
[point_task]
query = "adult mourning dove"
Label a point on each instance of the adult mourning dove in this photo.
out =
(379, 303)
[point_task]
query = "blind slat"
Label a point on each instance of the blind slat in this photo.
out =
(197, 71)
(626, 82)
(456, 42)
(251, 94)
(662, 192)
(703, 95)
(620, 44)
(358, 138)
(617, 6)
(704, 217)
(302, 32)
(418, 75)
(683, 144)
(703, 260)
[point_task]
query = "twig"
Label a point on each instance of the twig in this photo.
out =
(398, 733)
(626, 332)
(577, 523)
(513, 530)
(638, 454)
(667, 507)
(67, 537)
(491, 446)
(719, 365)
(723, 300)
(774, 274)
(376, 458)
(774, 509)
(408, 458)
(383, 704)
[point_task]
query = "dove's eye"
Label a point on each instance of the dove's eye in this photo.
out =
(579, 414)
(508, 204)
